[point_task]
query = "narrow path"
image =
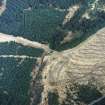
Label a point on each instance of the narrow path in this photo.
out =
(18, 56)
(36, 85)
(23, 41)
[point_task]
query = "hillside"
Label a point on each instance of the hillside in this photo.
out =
(52, 52)
(82, 65)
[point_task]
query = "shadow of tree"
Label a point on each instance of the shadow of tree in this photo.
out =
(88, 93)
(81, 27)
(53, 98)
(86, 27)
(82, 94)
